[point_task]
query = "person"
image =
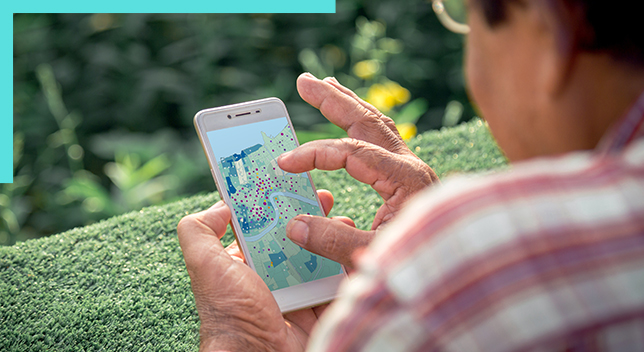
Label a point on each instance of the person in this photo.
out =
(546, 256)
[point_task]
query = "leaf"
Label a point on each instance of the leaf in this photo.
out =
(453, 113)
(411, 112)
(84, 186)
(151, 169)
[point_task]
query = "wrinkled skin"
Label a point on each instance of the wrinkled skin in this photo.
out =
(236, 309)
(374, 154)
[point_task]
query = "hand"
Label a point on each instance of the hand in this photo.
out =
(236, 309)
(374, 154)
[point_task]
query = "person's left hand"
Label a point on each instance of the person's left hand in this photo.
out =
(236, 309)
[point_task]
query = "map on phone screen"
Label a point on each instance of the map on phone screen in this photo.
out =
(264, 198)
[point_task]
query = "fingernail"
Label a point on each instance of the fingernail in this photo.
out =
(298, 232)
(219, 204)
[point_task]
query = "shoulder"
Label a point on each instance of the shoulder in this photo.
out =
(548, 255)
(481, 257)
(576, 189)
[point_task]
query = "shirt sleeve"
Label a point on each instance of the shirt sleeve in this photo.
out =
(376, 309)
(548, 257)
(367, 318)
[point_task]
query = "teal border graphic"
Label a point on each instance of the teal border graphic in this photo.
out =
(118, 6)
(6, 100)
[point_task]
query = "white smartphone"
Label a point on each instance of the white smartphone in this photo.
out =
(242, 143)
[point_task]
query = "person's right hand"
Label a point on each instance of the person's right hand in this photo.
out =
(374, 154)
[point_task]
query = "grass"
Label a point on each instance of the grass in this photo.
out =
(121, 284)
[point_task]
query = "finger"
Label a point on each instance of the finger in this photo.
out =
(329, 238)
(235, 253)
(199, 233)
(334, 82)
(352, 114)
(365, 162)
(345, 220)
(311, 88)
(213, 220)
(326, 198)
(331, 154)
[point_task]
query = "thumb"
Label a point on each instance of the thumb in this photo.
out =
(331, 238)
(199, 236)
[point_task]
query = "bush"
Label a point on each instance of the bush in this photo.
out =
(103, 103)
(121, 284)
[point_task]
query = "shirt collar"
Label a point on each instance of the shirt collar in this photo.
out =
(628, 129)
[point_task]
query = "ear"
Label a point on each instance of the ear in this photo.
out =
(567, 31)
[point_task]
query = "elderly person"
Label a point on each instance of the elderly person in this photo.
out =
(547, 256)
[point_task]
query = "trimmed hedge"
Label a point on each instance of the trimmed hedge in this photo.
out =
(121, 284)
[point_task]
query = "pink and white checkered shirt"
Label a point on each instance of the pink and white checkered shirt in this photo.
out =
(546, 257)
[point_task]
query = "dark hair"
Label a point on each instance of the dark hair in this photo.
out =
(616, 28)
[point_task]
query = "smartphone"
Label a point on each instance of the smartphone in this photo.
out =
(242, 143)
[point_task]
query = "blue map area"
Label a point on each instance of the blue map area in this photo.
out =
(312, 264)
(277, 258)
(250, 150)
(244, 213)
(229, 162)
(231, 187)
(236, 140)
(264, 198)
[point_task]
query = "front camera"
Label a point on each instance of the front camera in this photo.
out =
(230, 116)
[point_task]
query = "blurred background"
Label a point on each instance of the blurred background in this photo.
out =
(103, 103)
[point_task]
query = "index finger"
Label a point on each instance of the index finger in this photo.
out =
(345, 109)
(365, 162)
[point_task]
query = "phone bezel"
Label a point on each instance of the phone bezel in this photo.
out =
(290, 298)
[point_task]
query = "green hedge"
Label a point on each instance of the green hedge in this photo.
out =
(121, 284)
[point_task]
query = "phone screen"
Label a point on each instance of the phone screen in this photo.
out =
(264, 198)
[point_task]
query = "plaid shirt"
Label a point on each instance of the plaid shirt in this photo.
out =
(546, 257)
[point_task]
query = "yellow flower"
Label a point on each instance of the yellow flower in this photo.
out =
(407, 130)
(401, 94)
(386, 96)
(379, 96)
(366, 69)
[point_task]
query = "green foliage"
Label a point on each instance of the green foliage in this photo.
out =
(118, 285)
(12, 211)
(103, 103)
(368, 57)
(121, 284)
